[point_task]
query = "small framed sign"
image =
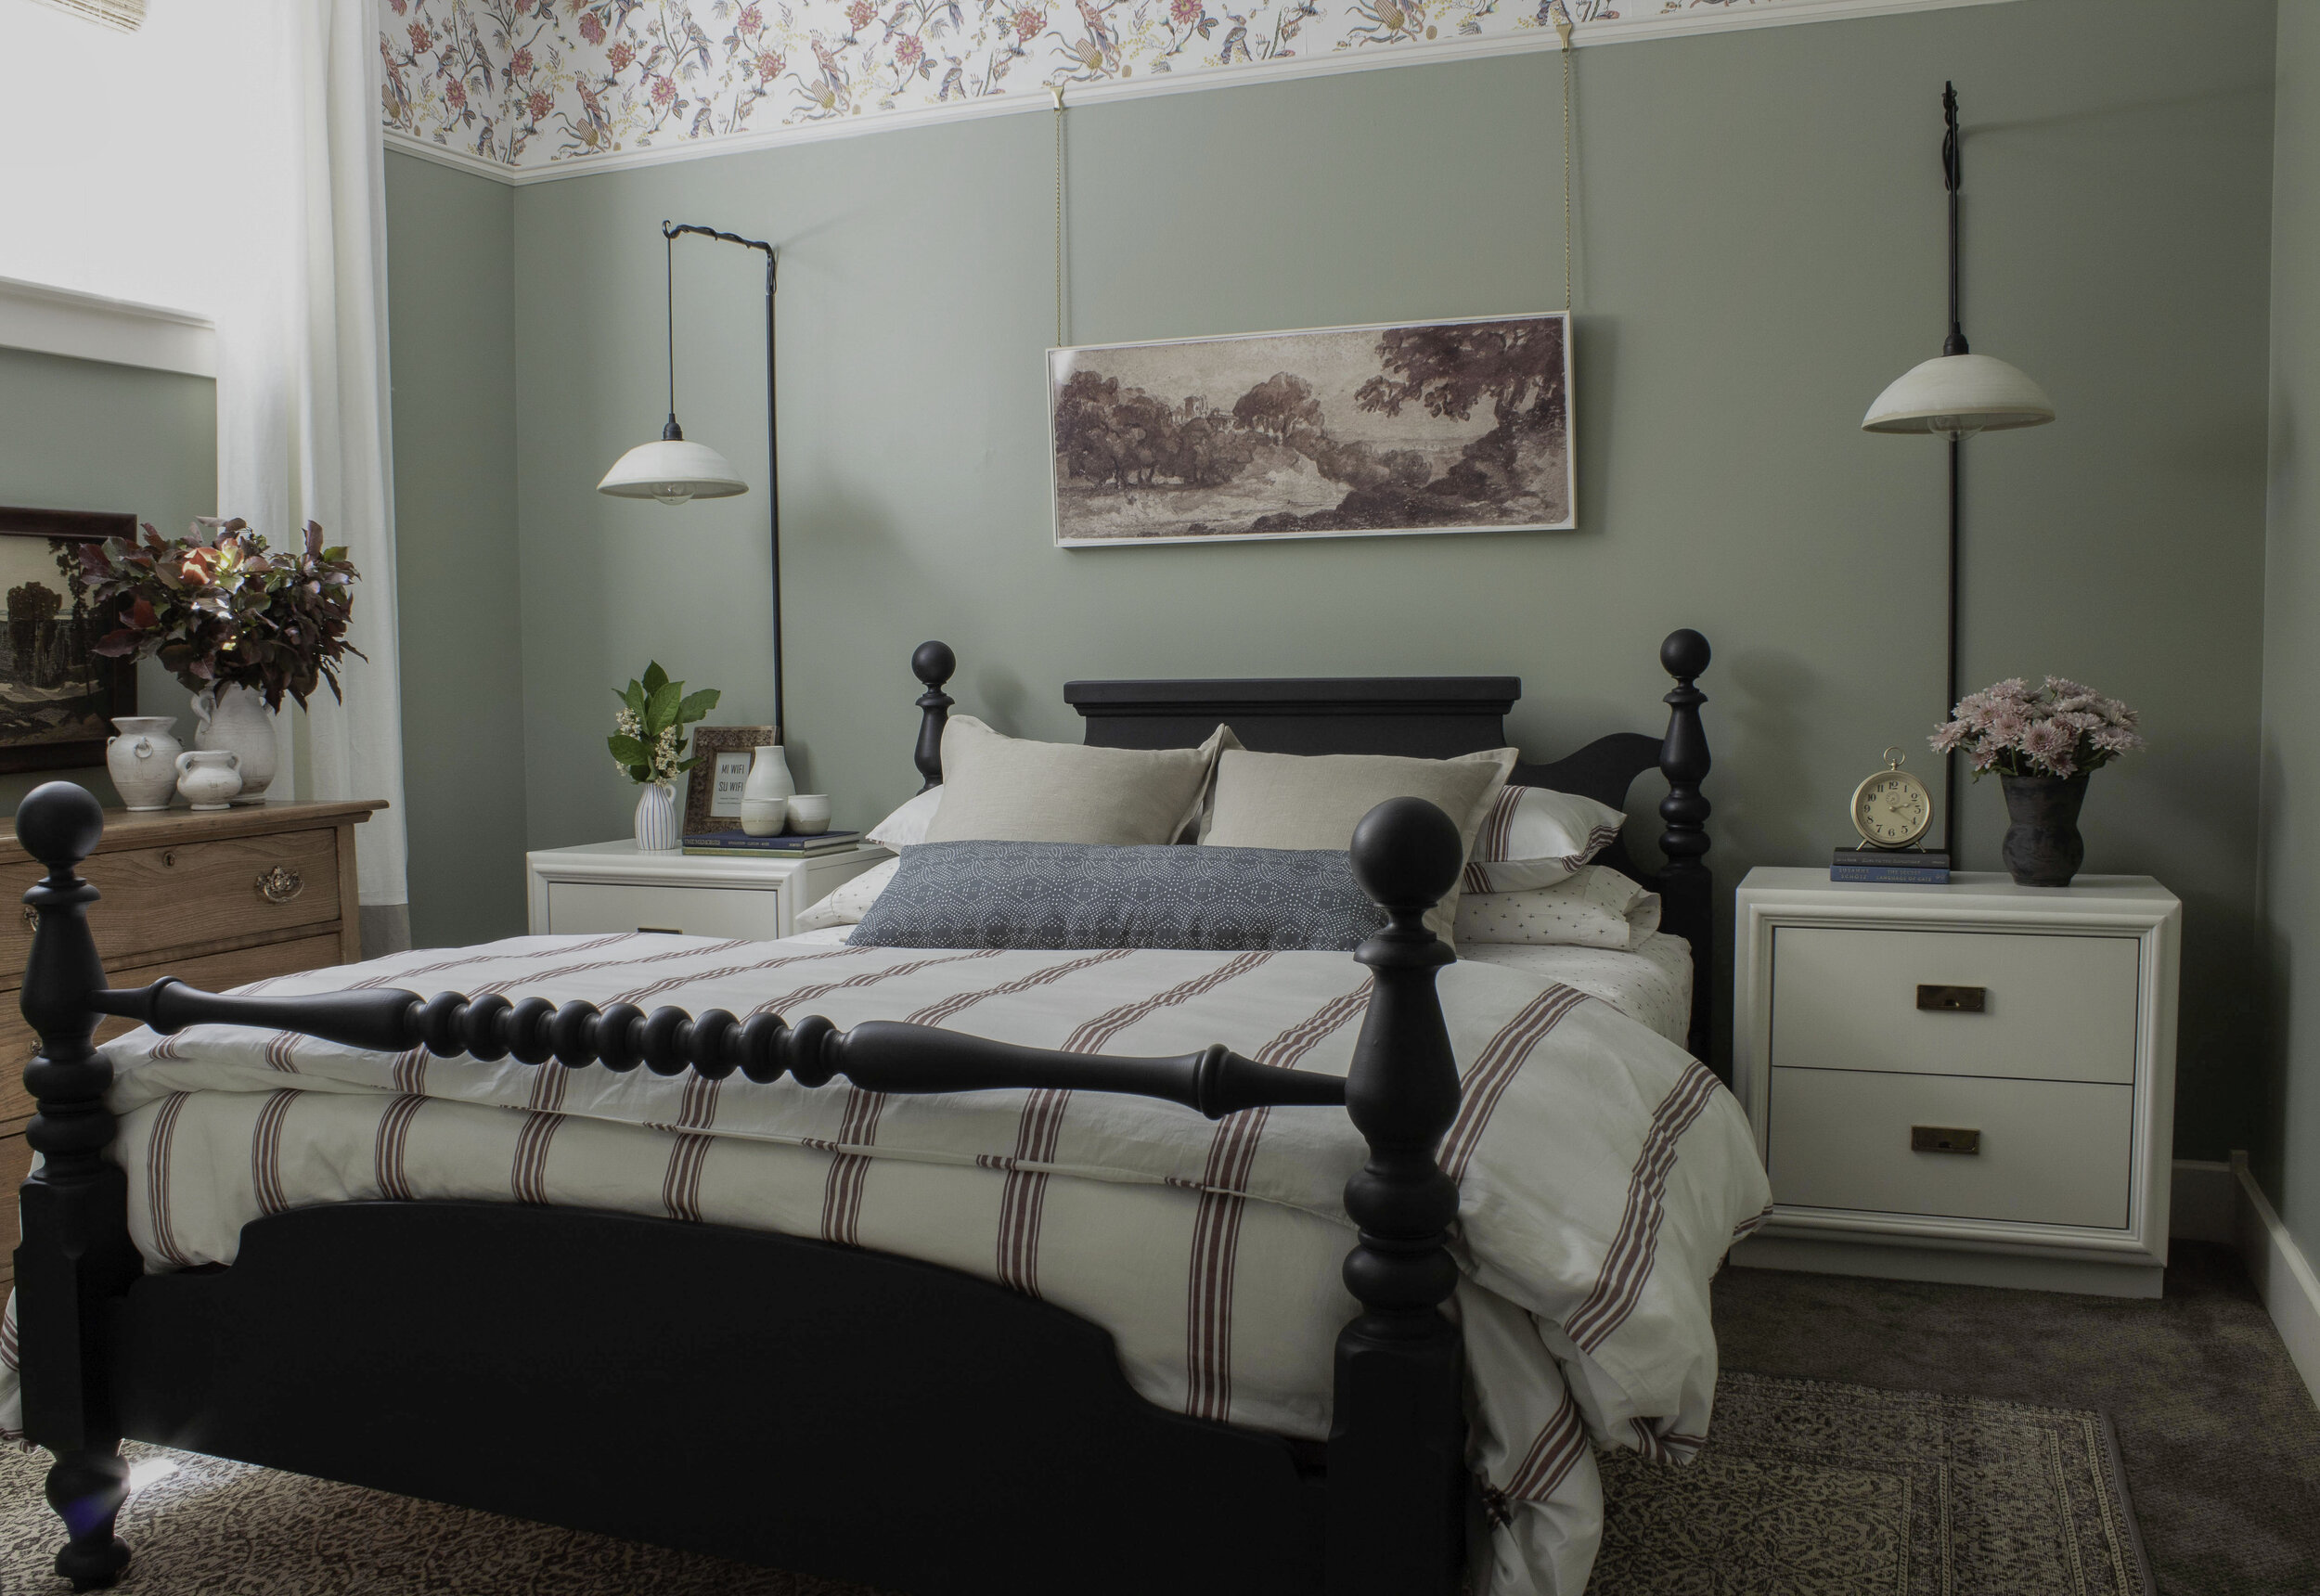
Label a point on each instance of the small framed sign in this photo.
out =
(713, 788)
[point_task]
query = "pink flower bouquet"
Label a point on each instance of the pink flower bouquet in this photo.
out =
(2059, 729)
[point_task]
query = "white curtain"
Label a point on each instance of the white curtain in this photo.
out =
(301, 393)
(261, 205)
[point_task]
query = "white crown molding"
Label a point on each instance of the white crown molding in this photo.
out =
(1624, 31)
(49, 320)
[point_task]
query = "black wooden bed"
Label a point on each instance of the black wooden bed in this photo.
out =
(916, 1428)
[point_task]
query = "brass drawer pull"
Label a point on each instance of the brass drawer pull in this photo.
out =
(280, 884)
(1944, 1139)
(1953, 999)
(660, 931)
(31, 918)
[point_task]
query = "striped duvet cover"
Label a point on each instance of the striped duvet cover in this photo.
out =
(1603, 1173)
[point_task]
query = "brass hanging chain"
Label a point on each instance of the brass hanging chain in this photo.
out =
(1562, 17)
(1057, 90)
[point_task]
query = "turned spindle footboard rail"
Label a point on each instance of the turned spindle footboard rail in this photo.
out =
(101, 1345)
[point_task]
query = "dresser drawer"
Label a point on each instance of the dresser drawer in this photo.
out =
(584, 907)
(2052, 1152)
(190, 893)
(2053, 1007)
(217, 972)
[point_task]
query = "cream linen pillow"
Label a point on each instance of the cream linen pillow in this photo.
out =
(1301, 801)
(1009, 790)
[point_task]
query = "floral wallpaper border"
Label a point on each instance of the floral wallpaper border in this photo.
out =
(531, 88)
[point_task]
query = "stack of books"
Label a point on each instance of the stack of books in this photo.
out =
(1911, 866)
(783, 847)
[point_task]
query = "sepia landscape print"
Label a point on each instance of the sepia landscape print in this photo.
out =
(56, 695)
(1451, 426)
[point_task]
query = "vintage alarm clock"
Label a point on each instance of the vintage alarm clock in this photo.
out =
(1892, 808)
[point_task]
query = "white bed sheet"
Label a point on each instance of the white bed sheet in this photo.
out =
(1651, 985)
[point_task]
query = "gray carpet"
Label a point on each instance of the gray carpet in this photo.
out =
(1807, 1489)
(2220, 1442)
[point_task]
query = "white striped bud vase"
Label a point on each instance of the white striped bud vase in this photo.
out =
(656, 818)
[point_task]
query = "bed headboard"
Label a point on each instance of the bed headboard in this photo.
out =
(1426, 717)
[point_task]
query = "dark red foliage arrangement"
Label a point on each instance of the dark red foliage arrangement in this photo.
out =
(224, 610)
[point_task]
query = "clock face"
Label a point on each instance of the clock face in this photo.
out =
(1892, 809)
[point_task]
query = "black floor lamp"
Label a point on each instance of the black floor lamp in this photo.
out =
(674, 470)
(1956, 394)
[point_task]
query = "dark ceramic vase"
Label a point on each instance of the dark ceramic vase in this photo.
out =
(2043, 845)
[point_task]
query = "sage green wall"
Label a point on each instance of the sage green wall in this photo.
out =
(2288, 1156)
(1759, 245)
(85, 434)
(451, 332)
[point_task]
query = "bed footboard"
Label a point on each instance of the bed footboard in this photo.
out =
(99, 1346)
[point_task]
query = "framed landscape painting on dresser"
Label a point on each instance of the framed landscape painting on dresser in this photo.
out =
(56, 694)
(1343, 432)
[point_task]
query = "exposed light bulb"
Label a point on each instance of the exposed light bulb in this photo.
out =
(673, 493)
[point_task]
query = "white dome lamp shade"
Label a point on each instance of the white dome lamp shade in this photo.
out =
(672, 469)
(1960, 395)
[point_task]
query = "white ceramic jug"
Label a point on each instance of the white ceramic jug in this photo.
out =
(236, 718)
(765, 796)
(142, 760)
(208, 778)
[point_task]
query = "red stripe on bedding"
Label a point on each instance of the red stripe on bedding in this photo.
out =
(527, 1176)
(394, 1131)
(1628, 1262)
(1560, 1444)
(1023, 1203)
(1216, 1224)
(265, 1153)
(157, 1156)
(1496, 1068)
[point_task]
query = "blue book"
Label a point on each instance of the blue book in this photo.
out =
(1904, 866)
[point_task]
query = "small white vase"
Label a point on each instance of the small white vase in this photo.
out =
(765, 796)
(236, 718)
(209, 778)
(656, 818)
(142, 760)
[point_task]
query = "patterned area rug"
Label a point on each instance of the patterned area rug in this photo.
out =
(1807, 1490)
(1815, 1489)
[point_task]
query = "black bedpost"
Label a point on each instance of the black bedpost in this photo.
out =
(932, 665)
(1397, 1444)
(76, 1254)
(1685, 880)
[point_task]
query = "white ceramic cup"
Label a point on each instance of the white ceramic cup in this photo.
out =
(809, 814)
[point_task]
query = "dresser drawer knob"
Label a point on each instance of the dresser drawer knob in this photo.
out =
(31, 918)
(1953, 999)
(1944, 1139)
(280, 884)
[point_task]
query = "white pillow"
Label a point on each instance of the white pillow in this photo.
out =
(1596, 907)
(854, 897)
(1534, 837)
(906, 828)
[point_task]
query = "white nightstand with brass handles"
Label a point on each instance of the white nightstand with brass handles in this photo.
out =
(1972, 1082)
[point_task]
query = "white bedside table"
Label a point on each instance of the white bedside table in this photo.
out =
(1972, 1082)
(611, 886)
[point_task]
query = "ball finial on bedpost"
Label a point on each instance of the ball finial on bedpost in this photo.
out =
(932, 664)
(1405, 854)
(59, 824)
(1684, 655)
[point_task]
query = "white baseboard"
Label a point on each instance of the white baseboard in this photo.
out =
(2282, 1275)
(2205, 1206)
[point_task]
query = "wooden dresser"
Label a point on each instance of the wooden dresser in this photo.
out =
(215, 899)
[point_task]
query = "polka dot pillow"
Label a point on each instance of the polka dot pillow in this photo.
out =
(1596, 907)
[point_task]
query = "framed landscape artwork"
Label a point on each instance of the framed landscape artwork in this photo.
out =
(57, 695)
(1342, 432)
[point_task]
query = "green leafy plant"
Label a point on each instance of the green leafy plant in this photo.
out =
(224, 610)
(649, 735)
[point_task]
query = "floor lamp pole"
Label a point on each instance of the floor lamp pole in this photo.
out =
(1953, 177)
(773, 516)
